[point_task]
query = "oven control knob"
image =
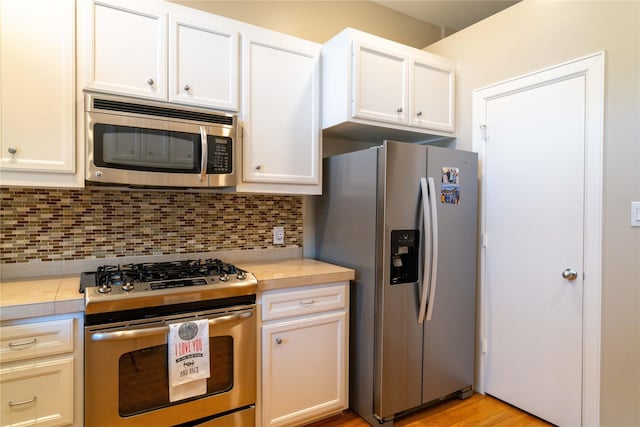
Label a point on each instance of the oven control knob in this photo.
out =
(224, 277)
(241, 275)
(104, 289)
(127, 287)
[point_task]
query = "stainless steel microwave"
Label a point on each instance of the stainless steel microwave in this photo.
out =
(144, 143)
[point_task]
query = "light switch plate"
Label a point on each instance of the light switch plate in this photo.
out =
(635, 214)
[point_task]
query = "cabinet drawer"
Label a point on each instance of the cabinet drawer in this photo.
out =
(300, 302)
(37, 394)
(31, 340)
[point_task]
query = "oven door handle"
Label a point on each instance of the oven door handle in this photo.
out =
(145, 332)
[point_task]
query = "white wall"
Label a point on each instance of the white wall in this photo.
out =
(536, 34)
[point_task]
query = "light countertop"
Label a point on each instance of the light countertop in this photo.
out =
(40, 297)
(286, 273)
(47, 296)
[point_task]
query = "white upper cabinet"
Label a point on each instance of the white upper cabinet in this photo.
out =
(407, 93)
(280, 113)
(37, 94)
(129, 49)
(380, 84)
(432, 95)
(159, 50)
(203, 60)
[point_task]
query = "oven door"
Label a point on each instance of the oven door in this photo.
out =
(126, 372)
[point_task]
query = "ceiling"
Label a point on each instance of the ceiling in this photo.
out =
(452, 14)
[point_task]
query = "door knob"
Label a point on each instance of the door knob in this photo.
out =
(570, 274)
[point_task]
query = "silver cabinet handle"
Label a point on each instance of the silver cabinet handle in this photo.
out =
(145, 332)
(258, 167)
(24, 402)
(187, 87)
(278, 340)
(419, 113)
(12, 150)
(150, 81)
(570, 274)
(23, 344)
(399, 110)
(307, 302)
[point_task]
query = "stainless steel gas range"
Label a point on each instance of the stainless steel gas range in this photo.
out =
(129, 312)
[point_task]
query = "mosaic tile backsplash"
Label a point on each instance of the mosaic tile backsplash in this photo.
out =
(57, 225)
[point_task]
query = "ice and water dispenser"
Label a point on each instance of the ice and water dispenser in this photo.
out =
(404, 256)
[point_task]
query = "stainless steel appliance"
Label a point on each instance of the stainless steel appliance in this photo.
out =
(404, 216)
(128, 310)
(146, 143)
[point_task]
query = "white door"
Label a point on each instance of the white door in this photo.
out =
(534, 210)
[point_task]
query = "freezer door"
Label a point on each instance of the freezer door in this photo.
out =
(448, 363)
(398, 340)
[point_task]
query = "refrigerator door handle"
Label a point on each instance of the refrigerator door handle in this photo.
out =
(434, 256)
(426, 265)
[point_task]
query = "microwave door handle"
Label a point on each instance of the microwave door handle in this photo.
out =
(426, 264)
(162, 330)
(205, 154)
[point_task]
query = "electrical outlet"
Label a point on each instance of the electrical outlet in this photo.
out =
(278, 235)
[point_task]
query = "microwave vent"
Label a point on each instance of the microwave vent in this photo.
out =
(152, 110)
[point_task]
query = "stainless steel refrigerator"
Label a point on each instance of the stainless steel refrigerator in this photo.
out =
(404, 216)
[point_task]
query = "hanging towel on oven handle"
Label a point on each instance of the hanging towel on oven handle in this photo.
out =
(188, 352)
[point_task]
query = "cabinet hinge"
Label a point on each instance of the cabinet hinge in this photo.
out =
(484, 240)
(484, 346)
(483, 130)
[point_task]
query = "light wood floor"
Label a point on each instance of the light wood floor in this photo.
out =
(478, 410)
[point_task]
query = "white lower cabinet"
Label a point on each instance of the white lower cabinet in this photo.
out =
(41, 372)
(304, 354)
(38, 393)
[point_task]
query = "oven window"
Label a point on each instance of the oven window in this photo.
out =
(144, 379)
(134, 148)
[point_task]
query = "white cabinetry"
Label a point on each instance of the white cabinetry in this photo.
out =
(40, 372)
(129, 52)
(37, 94)
(368, 80)
(304, 354)
(281, 114)
(129, 47)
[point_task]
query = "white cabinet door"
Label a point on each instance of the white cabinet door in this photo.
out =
(37, 92)
(203, 62)
(432, 96)
(129, 49)
(280, 110)
(380, 84)
(304, 369)
(38, 394)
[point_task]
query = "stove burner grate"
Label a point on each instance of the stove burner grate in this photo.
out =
(170, 273)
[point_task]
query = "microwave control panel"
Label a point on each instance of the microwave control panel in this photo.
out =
(220, 155)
